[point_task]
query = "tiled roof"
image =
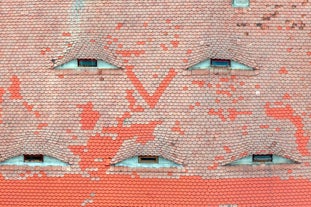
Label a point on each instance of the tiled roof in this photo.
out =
(154, 105)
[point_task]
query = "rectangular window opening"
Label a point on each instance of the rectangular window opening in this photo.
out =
(87, 63)
(33, 158)
(220, 63)
(240, 3)
(263, 158)
(148, 159)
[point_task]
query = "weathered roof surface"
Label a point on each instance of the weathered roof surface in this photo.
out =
(153, 105)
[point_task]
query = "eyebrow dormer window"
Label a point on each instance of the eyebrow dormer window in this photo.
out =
(33, 158)
(266, 159)
(220, 63)
(263, 158)
(87, 63)
(222, 66)
(148, 159)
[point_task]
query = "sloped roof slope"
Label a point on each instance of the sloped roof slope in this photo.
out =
(153, 104)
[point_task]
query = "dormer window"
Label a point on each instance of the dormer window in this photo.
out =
(33, 158)
(267, 159)
(148, 159)
(240, 3)
(216, 63)
(87, 63)
(263, 158)
(220, 63)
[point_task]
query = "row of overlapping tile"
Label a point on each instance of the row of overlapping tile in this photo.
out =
(153, 106)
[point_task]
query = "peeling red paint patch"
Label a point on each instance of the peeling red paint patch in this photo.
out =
(143, 132)
(89, 117)
(219, 157)
(36, 133)
(227, 149)
(119, 26)
(177, 128)
(66, 34)
(41, 125)
(233, 113)
(129, 53)
(287, 96)
(213, 167)
(218, 113)
(27, 106)
(283, 71)
(2, 92)
(287, 113)
(232, 88)
(94, 143)
(177, 27)
(264, 126)
(140, 42)
(175, 43)
(199, 83)
(224, 92)
(37, 114)
(131, 99)
(151, 100)
(164, 47)
(224, 79)
(14, 88)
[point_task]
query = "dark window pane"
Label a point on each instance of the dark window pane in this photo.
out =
(33, 158)
(87, 63)
(148, 159)
(220, 63)
(262, 158)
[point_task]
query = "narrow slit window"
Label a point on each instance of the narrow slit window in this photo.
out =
(33, 158)
(220, 63)
(263, 158)
(148, 159)
(87, 63)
